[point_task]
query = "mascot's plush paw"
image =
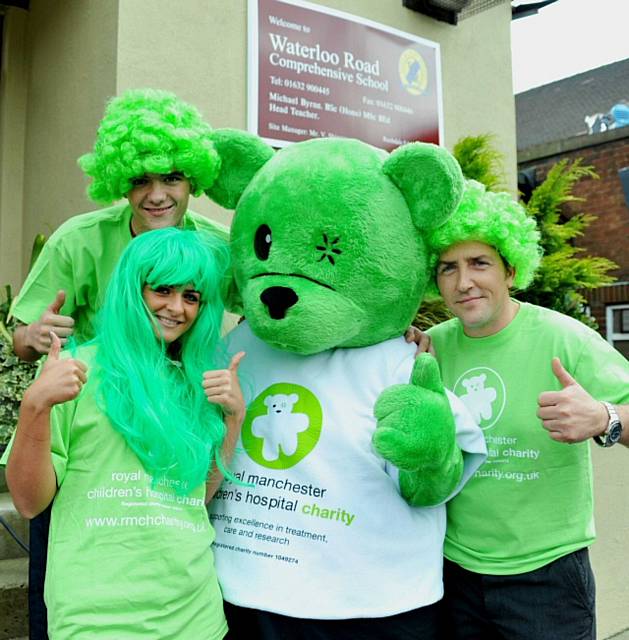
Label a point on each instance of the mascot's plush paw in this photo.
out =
(416, 433)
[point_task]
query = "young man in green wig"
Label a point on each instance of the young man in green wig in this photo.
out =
(536, 381)
(153, 150)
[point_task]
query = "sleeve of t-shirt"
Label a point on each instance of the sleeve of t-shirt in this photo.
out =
(602, 370)
(51, 272)
(469, 437)
(213, 227)
(470, 440)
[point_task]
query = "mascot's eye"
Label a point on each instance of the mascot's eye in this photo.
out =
(262, 242)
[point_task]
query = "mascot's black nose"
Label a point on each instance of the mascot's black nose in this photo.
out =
(278, 300)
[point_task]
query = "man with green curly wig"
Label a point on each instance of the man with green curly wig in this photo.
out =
(152, 151)
(536, 381)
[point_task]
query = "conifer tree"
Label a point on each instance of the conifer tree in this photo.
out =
(564, 272)
(480, 161)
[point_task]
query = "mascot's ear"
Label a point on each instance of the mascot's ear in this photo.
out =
(429, 178)
(242, 154)
(230, 294)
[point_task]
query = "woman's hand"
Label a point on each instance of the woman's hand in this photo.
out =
(59, 380)
(30, 473)
(222, 387)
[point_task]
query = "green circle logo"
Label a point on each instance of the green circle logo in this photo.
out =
(282, 426)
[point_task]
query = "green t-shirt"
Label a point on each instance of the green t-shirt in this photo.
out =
(80, 257)
(125, 559)
(531, 501)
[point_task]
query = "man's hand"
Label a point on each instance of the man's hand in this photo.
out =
(421, 339)
(59, 380)
(33, 340)
(572, 414)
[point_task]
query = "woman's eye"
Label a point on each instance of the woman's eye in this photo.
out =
(262, 242)
(162, 289)
(194, 298)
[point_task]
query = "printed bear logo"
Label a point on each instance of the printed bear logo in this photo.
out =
(280, 426)
(478, 399)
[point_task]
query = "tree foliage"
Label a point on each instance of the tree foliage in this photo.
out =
(15, 374)
(480, 161)
(564, 272)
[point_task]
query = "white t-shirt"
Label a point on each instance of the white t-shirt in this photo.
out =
(324, 533)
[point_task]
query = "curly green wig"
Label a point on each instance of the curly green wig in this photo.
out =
(149, 131)
(497, 220)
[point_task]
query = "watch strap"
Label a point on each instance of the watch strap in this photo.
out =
(612, 433)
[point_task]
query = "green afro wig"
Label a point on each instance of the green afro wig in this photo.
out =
(149, 131)
(497, 220)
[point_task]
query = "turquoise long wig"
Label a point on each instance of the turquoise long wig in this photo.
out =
(158, 405)
(149, 131)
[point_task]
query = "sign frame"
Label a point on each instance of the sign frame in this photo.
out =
(253, 62)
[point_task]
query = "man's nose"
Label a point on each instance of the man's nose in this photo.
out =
(156, 193)
(464, 280)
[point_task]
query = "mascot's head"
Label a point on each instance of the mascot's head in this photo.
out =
(328, 240)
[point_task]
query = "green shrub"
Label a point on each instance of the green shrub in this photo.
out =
(480, 161)
(564, 272)
(15, 375)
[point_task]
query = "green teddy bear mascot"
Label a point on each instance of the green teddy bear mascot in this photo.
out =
(350, 446)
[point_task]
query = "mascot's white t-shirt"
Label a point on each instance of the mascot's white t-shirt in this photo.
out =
(324, 533)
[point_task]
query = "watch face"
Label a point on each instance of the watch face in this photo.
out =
(615, 431)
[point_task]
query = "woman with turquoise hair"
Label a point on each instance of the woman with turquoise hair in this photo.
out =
(130, 438)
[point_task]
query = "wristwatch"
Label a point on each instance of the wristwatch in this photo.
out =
(612, 434)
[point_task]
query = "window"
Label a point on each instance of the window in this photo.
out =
(618, 327)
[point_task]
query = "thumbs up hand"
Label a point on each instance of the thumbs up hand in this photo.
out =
(60, 380)
(415, 431)
(38, 333)
(564, 378)
(55, 306)
(222, 387)
(572, 414)
(55, 350)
